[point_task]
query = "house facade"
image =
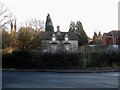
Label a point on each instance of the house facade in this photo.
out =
(111, 38)
(59, 41)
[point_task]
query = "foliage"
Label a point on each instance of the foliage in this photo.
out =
(78, 29)
(102, 57)
(49, 24)
(37, 60)
(83, 39)
(72, 27)
(28, 38)
(13, 34)
(9, 41)
(97, 39)
(62, 60)
(6, 39)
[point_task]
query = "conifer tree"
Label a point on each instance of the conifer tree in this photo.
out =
(99, 35)
(95, 39)
(48, 24)
(82, 36)
(99, 38)
(72, 26)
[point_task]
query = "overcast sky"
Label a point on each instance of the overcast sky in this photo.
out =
(95, 15)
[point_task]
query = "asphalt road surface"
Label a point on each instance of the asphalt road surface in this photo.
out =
(59, 80)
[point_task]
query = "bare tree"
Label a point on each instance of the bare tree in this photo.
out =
(5, 16)
(37, 25)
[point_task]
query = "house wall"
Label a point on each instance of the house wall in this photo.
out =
(46, 45)
(110, 40)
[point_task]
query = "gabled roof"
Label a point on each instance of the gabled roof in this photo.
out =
(48, 35)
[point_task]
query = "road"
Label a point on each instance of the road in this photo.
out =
(59, 80)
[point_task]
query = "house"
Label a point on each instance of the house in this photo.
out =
(59, 41)
(111, 38)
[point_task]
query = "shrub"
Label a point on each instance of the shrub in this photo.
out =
(38, 60)
(61, 60)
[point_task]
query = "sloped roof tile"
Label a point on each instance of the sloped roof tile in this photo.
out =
(48, 35)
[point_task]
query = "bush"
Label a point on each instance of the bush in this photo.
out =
(62, 60)
(38, 60)
(103, 57)
(59, 60)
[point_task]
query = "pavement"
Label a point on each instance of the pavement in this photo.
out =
(97, 70)
(32, 79)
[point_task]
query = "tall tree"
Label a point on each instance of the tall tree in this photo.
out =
(5, 16)
(82, 36)
(6, 39)
(99, 38)
(49, 24)
(29, 38)
(99, 35)
(25, 35)
(95, 39)
(36, 24)
(13, 35)
(72, 26)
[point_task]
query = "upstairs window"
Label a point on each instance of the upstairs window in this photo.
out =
(66, 37)
(53, 37)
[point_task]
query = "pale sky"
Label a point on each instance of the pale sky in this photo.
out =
(95, 15)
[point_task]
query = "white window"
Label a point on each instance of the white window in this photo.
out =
(53, 38)
(67, 48)
(66, 38)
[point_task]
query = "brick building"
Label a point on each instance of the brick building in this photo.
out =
(111, 38)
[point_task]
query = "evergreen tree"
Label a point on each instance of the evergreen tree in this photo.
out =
(99, 35)
(82, 36)
(99, 38)
(95, 39)
(72, 26)
(48, 24)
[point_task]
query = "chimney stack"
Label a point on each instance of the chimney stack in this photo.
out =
(58, 30)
